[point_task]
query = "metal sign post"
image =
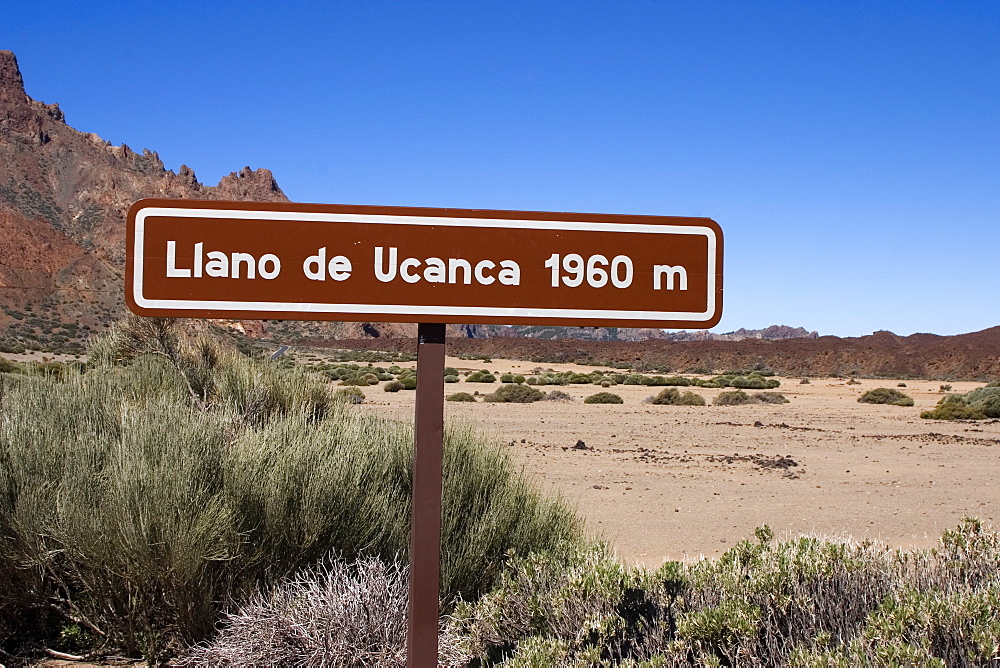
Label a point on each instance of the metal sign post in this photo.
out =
(425, 531)
(258, 261)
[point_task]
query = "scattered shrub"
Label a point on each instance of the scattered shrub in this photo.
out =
(770, 398)
(953, 410)
(604, 398)
(9, 366)
(518, 394)
(461, 396)
(978, 404)
(349, 395)
(673, 397)
(393, 386)
(558, 395)
(885, 395)
(944, 388)
(733, 398)
(481, 376)
(804, 381)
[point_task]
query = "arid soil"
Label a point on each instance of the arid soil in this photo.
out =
(672, 482)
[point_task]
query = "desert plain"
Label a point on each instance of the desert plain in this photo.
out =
(684, 482)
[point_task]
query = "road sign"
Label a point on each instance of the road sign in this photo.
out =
(246, 260)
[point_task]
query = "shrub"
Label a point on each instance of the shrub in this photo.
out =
(461, 396)
(885, 395)
(349, 395)
(604, 398)
(978, 404)
(393, 386)
(558, 395)
(482, 376)
(332, 614)
(450, 371)
(673, 397)
(945, 388)
(953, 410)
(230, 473)
(451, 379)
(804, 381)
(519, 394)
(770, 398)
(9, 366)
(733, 398)
(800, 602)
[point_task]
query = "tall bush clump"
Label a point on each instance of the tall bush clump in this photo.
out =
(140, 499)
(885, 395)
(978, 404)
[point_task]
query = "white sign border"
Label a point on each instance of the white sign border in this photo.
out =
(397, 310)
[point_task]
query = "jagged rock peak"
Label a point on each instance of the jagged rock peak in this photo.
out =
(10, 75)
(253, 184)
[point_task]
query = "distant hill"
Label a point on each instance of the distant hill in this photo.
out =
(772, 333)
(974, 356)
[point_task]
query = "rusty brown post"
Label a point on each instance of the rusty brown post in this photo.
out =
(425, 527)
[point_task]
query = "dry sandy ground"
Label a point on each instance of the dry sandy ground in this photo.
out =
(677, 482)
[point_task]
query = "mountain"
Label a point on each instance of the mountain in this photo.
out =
(64, 198)
(772, 333)
(974, 356)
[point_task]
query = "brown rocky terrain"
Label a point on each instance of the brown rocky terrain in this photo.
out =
(64, 197)
(974, 356)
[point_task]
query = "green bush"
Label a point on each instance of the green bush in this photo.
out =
(978, 404)
(461, 396)
(481, 376)
(349, 395)
(604, 398)
(733, 398)
(885, 395)
(673, 397)
(393, 386)
(770, 398)
(9, 366)
(451, 379)
(146, 496)
(518, 394)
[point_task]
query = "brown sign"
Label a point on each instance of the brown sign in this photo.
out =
(328, 262)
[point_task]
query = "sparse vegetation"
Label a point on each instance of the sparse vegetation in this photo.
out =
(558, 395)
(604, 398)
(770, 397)
(461, 397)
(885, 395)
(392, 386)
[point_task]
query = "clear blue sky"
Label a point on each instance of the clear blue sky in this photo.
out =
(850, 150)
